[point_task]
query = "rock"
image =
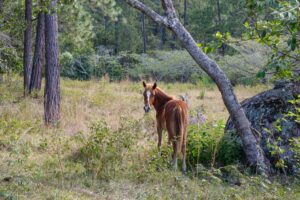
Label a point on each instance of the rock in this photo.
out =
(273, 129)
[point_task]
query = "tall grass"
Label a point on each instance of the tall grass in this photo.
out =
(106, 148)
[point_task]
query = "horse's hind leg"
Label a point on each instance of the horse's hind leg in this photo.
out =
(159, 132)
(174, 154)
(183, 150)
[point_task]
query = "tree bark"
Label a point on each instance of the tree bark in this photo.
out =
(222, 48)
(39, 53)
(219, 12)
(116, 50)
(173, 43)
(162, 37)
(144, 33)
(253, 151)
(185, 20)
(27, 45)
(52, 86)
(105, 30)
(1, 5)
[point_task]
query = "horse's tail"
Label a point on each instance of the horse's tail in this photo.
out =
(179, 126)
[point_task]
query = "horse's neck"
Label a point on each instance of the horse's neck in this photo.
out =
(161, 99)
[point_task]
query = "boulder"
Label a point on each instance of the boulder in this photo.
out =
(267, 113)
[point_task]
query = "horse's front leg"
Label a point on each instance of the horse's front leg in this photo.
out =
(159, 132)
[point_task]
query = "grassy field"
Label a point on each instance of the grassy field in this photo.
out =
(105, 147)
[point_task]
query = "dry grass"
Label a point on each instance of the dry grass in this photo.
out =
(84, 102)
(39, 161)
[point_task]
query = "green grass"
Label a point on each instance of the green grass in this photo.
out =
(105, 148)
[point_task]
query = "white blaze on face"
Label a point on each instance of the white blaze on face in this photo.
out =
(148, 94)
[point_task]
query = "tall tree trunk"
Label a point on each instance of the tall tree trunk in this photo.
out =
(185, 20)
(253, 151)
(162, 37)
(1, 5)
(173, 43)
(1, 10)
(144, 34)
(52, 86)
(116, 50)
(222, 48)
(105, 30)
(219, 12)
(27, 45)
(39, 53)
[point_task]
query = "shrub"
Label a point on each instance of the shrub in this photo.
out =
(207, 145)
(114, 69)
(230, 149)
(103, 152)
(76, 67)
(168, 66)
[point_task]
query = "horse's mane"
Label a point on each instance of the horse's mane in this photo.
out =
(161, 95)
(161, 98)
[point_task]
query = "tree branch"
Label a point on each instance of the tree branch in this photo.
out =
(169, 8)
(148, 11)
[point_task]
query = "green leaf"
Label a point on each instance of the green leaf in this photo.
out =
(219, 35)
(261, 74)
(293, 43)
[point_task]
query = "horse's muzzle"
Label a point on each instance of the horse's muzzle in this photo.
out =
(146, 109)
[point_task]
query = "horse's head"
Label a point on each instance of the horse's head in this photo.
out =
(149, 95)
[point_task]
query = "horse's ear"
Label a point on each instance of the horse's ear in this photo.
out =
(144, 84)
(154, 85)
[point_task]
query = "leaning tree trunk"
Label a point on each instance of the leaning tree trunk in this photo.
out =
(253, 151)
(52, 88)
(38, 57)
(27, 45)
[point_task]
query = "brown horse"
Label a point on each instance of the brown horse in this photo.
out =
(171, 115)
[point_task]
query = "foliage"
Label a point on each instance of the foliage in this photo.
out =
(11, 36)
(275, 145)
(167, 66)
(278, 28)
(86, 26)
(296, 112)
(207, 145)
(204, 20)
(103, 152)
(295, 142)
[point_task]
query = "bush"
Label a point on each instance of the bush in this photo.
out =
(207, 145)
(76, 67)
(230, 149)
(167, 66)
(103, 152)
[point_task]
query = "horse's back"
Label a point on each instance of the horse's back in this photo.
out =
(174, 108)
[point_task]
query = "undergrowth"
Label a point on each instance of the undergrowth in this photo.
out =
(109, 151)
